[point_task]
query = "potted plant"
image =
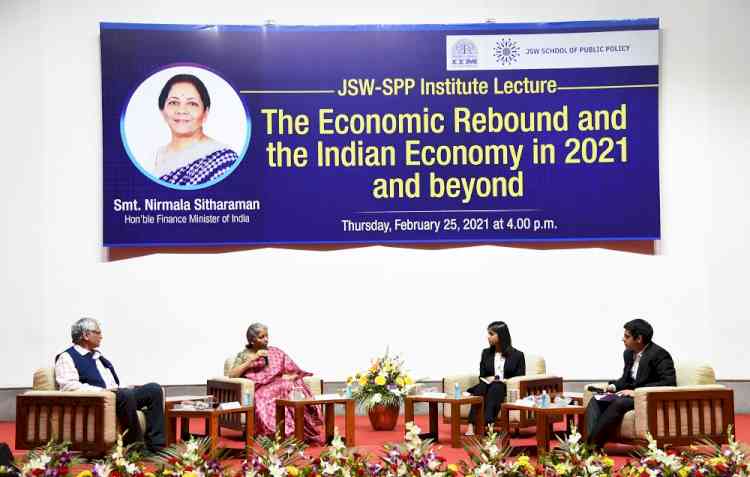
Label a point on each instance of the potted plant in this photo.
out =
(381, 389)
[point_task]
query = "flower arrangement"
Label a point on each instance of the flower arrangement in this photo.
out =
(412, 458)
(572, 458)
(122, 461)
(720, 462)
(489, 458)
(276, 458)
(190, 459)
(52, 460)
(384, 383)
(340, 461)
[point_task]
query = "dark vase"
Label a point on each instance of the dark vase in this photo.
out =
(383, 418)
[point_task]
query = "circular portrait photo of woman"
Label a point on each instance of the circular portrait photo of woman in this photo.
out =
(185, 127)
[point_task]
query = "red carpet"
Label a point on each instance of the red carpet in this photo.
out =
(369, 441)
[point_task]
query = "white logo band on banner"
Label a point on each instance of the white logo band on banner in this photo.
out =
(550, 51)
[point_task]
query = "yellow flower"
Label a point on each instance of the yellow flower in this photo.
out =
(292, 470)
(85, 473)
(453, 468)
(562, 468)
(349, 379)
(167, 472)
(408, 380)
(362, 380)
(380, 380)
(607, 461)
(148, 474)
(400, 382)
(684, 471)
(189, 474)
(523, 460)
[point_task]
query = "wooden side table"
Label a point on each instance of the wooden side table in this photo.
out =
(212, 422)
(477, 402)
(543, 421)
(329, 406)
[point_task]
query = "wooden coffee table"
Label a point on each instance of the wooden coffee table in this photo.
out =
(211, 416)
(329, 407)
(476, 401)
(544, 417)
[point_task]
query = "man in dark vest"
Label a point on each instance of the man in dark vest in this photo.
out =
(646, 364)
(82, 367)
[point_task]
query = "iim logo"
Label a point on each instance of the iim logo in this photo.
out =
(464, 53)
(506, 51)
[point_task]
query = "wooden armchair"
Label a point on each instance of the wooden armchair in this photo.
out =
(534, 382)
(226, 389)
(696, 409)
(86, 419)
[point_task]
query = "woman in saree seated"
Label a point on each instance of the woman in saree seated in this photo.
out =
(275, 375)
(191, 157)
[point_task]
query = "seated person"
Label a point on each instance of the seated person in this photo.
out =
(275, 375)
(83, 368)
(498, 362)
(646, 364)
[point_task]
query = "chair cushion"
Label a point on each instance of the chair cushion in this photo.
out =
(44, 379)
(691, 373)
(315, 384)
(535, 364)
(228, 363)
(627, 427)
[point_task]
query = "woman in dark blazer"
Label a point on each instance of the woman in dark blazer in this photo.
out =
(499, 362)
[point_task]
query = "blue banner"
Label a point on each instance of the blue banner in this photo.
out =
(380, 134)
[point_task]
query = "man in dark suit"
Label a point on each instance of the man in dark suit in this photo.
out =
(646, 365)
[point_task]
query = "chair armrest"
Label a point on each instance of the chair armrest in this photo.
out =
(684, 414)
(229, 389)
(45, 415)
(533, 384)
(69, 395)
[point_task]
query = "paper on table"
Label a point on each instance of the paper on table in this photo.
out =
(432, 394)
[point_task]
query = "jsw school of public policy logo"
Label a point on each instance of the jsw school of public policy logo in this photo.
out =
(506, 51)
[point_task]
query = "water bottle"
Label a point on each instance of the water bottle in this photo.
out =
(457, 391)
(348, 390)
(247, 399)
(544, 400)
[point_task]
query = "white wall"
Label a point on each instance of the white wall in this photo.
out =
(174, 318)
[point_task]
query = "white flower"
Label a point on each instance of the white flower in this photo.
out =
(330, 468)
(484, 470)
(493, 451)
(131, 468)
(277, 471)
(102, 470)
(376, 398)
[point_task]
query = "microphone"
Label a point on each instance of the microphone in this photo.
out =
(265, 360)
(595, 389)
